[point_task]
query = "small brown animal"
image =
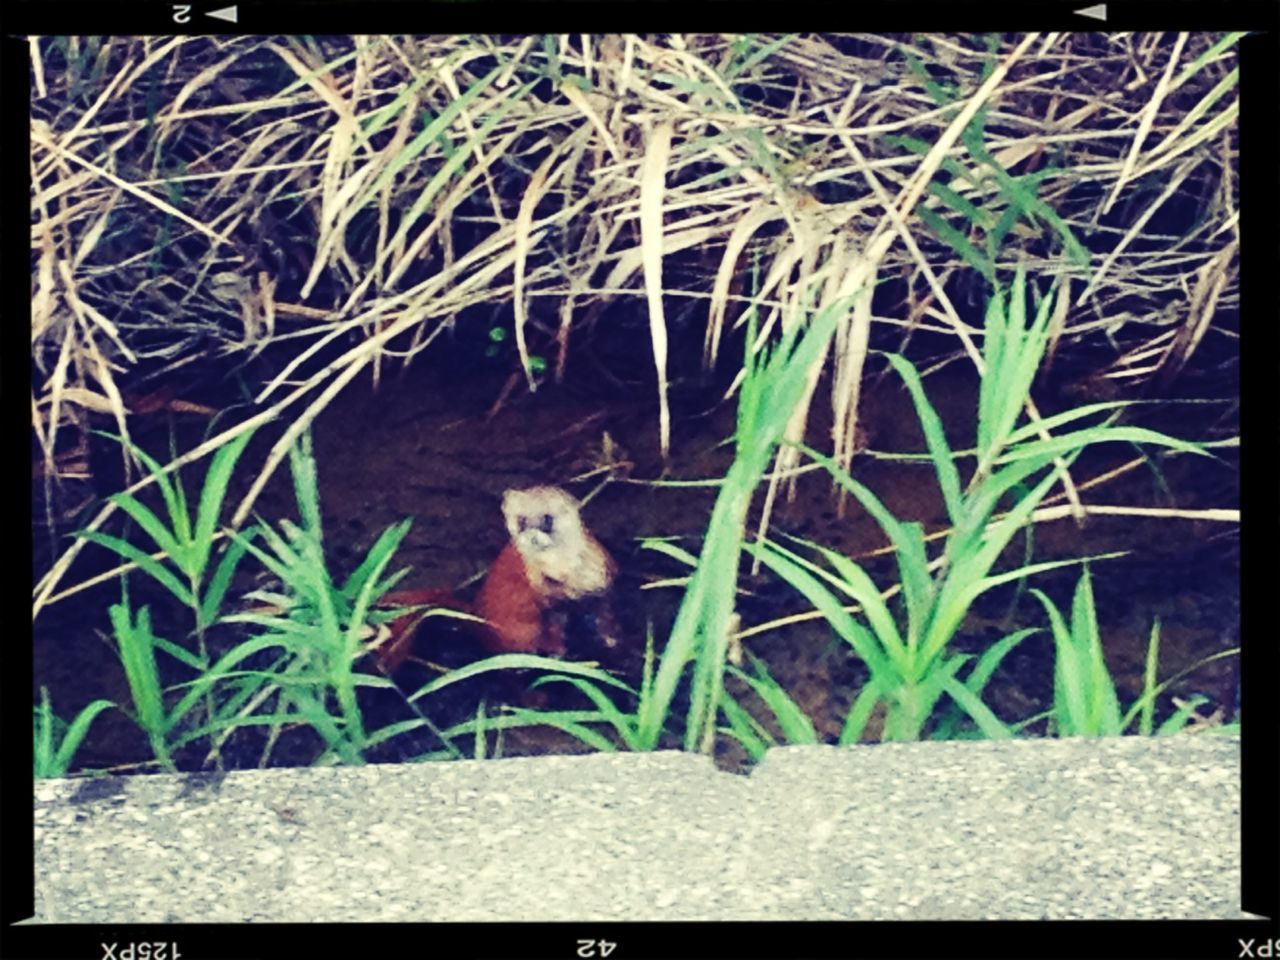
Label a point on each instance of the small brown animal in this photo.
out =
(550, 571)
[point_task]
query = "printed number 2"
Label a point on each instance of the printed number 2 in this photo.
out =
(181, 13)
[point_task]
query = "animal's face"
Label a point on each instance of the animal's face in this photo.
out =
(539, 518)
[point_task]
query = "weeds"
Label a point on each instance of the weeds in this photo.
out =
(55, 742)
(905, 647)
(316, 629)
(773, 383)
(1084, 696)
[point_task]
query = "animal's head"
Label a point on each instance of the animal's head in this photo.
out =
(539, 518)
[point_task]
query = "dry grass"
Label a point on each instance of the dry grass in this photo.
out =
(350, 197)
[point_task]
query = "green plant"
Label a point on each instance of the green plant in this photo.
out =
(300, 667)
(1084, 696)
(793, 722)
(317, 628)
(774, 382)
(186, 544)
(585, 677)
(906, 651)
(166, 727)
(626, 724)
(137, 649)
(55, 742)
(1019, 193)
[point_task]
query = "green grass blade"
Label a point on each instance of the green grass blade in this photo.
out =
(181, 654)
(960, 204)
(306, 491)
(376, 559)
(211, 497)
(1072, 442)
(135, 645)
(152, 525)
(623, 722)
(175, 503)
(864, 703)
(219, 583)
(1021, 192)
(958, 242)
(1147, 714)
(1104, 707)
(918, 586)
(670, 550)
(76, 732)
(205, 682)
(991, 658)
(855, 582)
(1047, 424)
(433, 131)
(567, 724)
(745, 729)
(1227, 40)
(992, 727)
(857, 636)
(42, 743)
(518, 661)
(939, 451)
(1181, 715)
(795, 724)
(145, 562)
(991, 402)
(1069, 705)
(896, 531)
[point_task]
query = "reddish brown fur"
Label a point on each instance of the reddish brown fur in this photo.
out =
(523, 597)
(512, 610)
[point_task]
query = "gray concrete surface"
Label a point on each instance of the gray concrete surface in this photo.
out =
(1119, 828)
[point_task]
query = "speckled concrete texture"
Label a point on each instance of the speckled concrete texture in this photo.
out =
(1118, 828)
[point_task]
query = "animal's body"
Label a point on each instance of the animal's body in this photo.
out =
(551, 569)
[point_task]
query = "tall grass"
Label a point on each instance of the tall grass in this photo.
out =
(185, 541)
(581, 724)
(55, 742)
(315, 629)
(410, 181)
(905, 646)
(1085, 703)
(775, 379)
(297, 667)
(182, 567)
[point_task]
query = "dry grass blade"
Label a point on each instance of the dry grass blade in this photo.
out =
(524, 220)
(1134, 231)
(652, 196)
(1146, 122)
(1211, 280)
(164, 207)
(744, 228)
(341, 201)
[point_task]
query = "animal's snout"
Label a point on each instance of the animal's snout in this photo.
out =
(536, 539)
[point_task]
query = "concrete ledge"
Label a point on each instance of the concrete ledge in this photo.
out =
(1128, 828)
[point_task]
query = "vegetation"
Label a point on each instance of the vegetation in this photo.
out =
(293, 213)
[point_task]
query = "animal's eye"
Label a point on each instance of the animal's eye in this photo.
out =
(548, 522)
(522, 524)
